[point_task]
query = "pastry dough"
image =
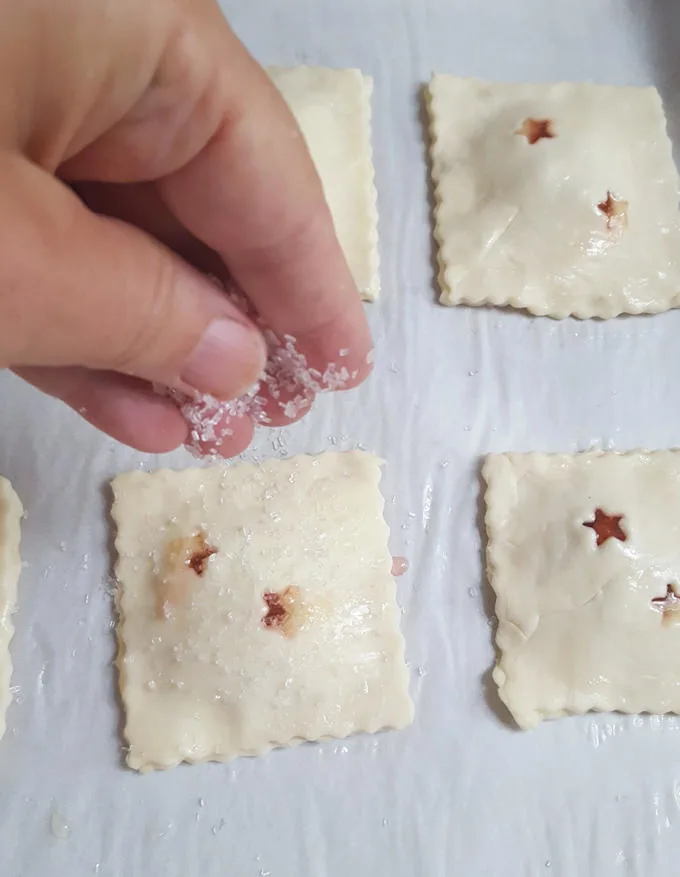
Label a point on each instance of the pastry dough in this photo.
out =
(10, 567)
(584, 557)
(257, 608)
(333, 109)
(559, 199)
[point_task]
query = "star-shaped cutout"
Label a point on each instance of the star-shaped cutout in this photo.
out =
(615, 209)
(198, 554)
(668, 605)
(281, 609)
(186, 557)
(536, 129)
(606, 527)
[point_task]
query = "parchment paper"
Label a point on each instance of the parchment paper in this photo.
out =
(462, 792)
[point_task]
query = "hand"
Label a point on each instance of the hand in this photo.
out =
(186, 161)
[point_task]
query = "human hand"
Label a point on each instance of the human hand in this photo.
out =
(186, 160)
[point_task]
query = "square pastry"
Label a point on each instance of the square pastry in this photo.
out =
(10, 567)
(257, 608)
(584, 557)
(333, 109)
(559, 199)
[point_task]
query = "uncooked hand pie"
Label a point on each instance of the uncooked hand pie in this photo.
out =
(257, 608)
(558, 199)
(333, 110)
(10, 567)
(584, 557)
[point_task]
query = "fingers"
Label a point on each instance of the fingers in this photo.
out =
(125, 408)
(140, 205)
(253, 195)
(230, 439)
(128, 410)
(76, 288)
(215, 429)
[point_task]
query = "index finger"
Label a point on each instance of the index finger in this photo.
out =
(253, 195)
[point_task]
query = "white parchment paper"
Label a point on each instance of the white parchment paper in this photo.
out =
(462, 792)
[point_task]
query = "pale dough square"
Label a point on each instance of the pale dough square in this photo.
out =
(585, 626)
(208, 669)
(582, 221)
(333, 109)
(11, 512)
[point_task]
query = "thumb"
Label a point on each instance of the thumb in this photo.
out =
(81, 289)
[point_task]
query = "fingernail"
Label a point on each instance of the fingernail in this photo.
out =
(227, 360)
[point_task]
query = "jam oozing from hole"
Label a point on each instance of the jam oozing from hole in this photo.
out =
(199, 554)
(276, 611)
(399, 565)
(281, 609)
(669, 605)
(536, 129)
(615, 209)
(606, 527)
(186, 559)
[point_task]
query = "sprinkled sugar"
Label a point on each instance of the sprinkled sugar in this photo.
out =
(286, 374)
